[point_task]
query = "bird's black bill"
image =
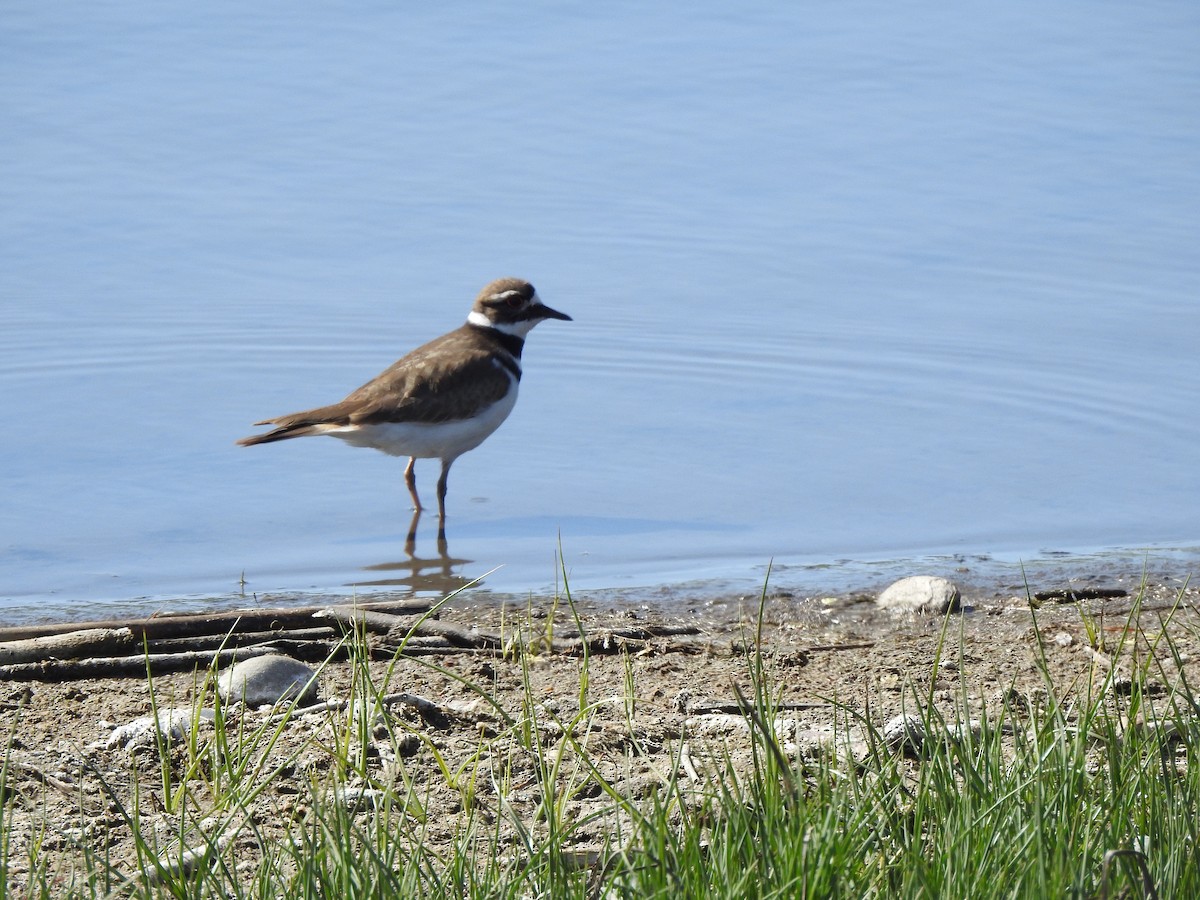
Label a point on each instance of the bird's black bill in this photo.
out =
(542, 311)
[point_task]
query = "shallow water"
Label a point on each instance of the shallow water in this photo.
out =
(851, 285)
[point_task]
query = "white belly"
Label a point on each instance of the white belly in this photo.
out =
(446, 440)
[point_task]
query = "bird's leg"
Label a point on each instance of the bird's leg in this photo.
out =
(441, 495)
(410, 542)
(410, 479)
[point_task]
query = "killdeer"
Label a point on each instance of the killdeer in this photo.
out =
(442, 399)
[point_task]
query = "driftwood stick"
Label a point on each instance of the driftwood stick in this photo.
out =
(126, 666)
(599, 645)
(731, 708)
(411, 651)
(1074, 595)
(103, 643)
(646, 632)
(424, 641)
(471, 638)
(687, 640)
(305, 651)
(224, 622)
(352, 618)
(71, 645)
(629, 632)
(865, 645)
(239, 639)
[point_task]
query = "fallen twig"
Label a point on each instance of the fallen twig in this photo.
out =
(822, 648)
(351, 618)
(471, 638)
(69, 645)
(1074, 595)
(224, 622)
(322, 633)
(126, 666)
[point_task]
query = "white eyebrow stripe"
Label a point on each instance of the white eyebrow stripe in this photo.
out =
(505, 294)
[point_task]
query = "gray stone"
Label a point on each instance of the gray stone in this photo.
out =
(921, 593)
(360, 799)
(268, 680)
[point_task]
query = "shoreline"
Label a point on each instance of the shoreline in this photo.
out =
(981, 574)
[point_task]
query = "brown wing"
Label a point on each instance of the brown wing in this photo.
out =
(439, 394)
(444, 380)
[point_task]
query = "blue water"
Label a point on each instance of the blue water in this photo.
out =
(851, 282)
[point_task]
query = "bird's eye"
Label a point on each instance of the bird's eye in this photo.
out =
(511, 299)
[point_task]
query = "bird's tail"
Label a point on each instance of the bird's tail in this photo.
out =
(321, 420)
(282, 433)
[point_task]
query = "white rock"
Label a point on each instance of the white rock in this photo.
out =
(173, 724)
(905, 733)
(714, 724)
(268, 680)
(815, 742)
(841, 745)
(921, 593)
(972, 729)
(359, 799)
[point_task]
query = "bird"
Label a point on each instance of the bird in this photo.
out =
(439, 401)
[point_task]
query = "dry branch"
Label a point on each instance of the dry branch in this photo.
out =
(224, 622)
(471, 638)
(126, 666)
(71, 645)
(310, 634)
(321, 633)
(1075, 595)
(352, 618)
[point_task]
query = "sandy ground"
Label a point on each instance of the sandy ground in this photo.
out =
(68, 780)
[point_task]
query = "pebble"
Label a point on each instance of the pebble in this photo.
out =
(268, 680)
(921, 593)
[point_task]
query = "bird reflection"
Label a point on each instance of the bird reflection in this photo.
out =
(425, 574)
